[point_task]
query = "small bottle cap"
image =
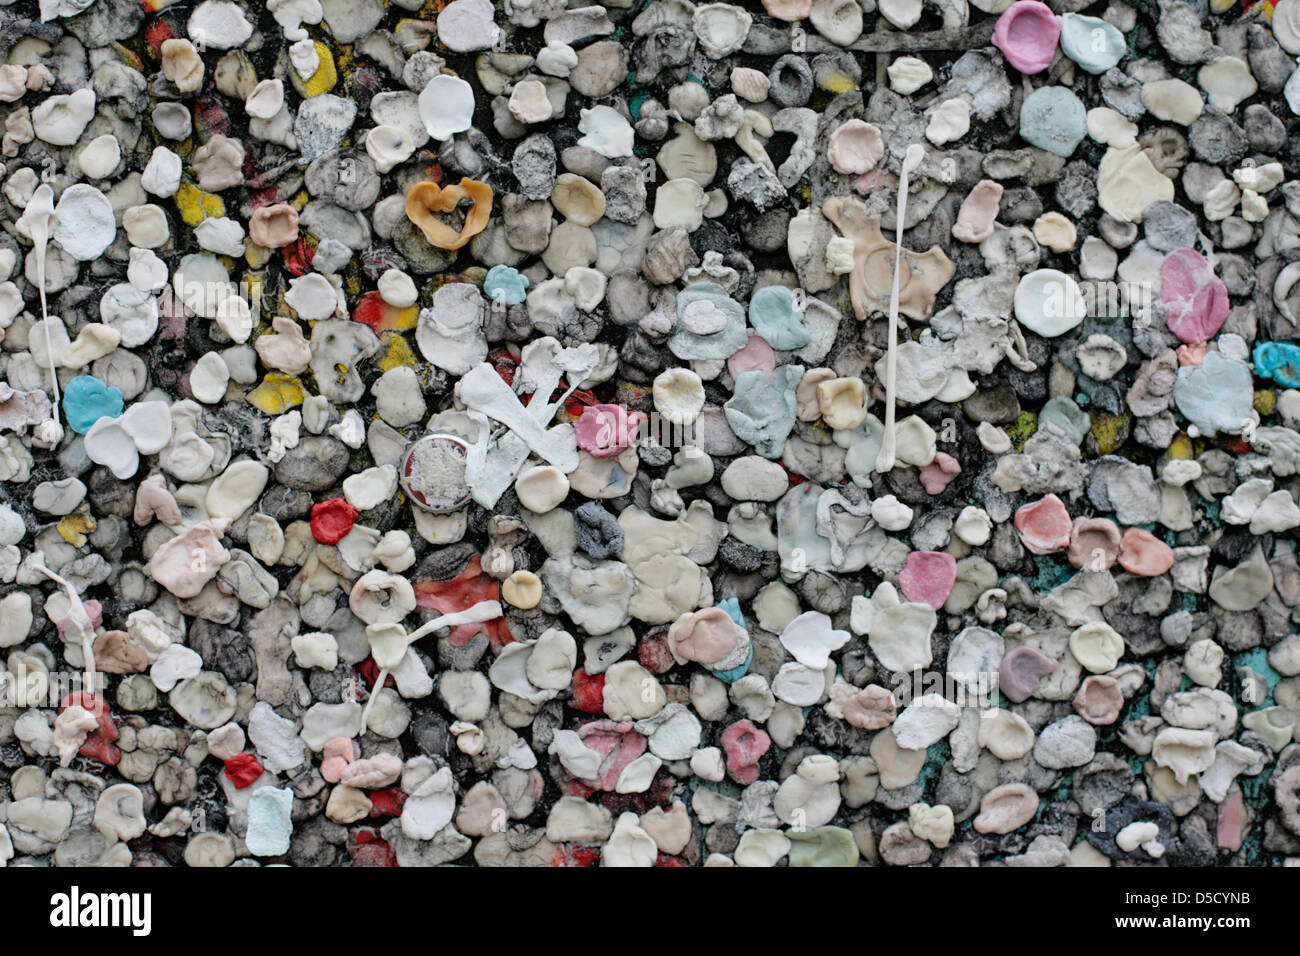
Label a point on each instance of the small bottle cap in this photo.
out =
(433, 473)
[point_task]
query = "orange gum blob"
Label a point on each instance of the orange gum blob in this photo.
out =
(427, 198)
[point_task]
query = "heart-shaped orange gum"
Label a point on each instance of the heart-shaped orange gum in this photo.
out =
(427, 198)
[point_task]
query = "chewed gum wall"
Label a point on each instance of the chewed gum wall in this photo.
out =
(527, 433)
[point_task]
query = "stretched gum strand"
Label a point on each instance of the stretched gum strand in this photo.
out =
(885, 460)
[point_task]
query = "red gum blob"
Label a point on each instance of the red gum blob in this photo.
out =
(367, 848)
(1045, 525)
(588, 692)
(573, 787)
(653, 654)
(243, 769)
(387, 802)
(298, 256)
(157, 33)
(332, 520)
(581, 399)
(212, 119)
(379, 316)
(745, 745)
(575, 855)
(505, 364)
(928, 577)
(463, 591)
(99, 745)
(369, 672)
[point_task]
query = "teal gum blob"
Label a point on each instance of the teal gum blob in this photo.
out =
(505, 284)
(732, 606)
(706, 305)
(732, 674)
(86, 400)
(762, 411)
(270, 825)
(863, 444)
(1091, 42)
(775, 316)
(1052, 118)
(1067, 416)
(1279, 361)
(1216, 395)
